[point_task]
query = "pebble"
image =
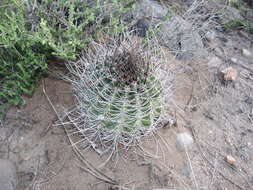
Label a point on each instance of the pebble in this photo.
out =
(234, 60)
(170, 123)
(246, 53)
(230, 159)
(8, 175)
(184, 140)
(229, 74)
(210, 36)
(219, 51)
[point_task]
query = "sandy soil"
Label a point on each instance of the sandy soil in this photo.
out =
(219, 117)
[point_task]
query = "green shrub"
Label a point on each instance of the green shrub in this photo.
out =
(22, 60)
(237, 4)
(67, 26)
(31, 32)
(238, 24)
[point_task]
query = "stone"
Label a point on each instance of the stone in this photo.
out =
(8, 175)
(141, 27)
(219, 51)
(243, 34)
(229, 74)
(230, 159)
(214, 62)
(210, 36)
(234, 60)
(179, 35)
(170, 123)
(184, 140)
(145, 14)
(149, 9)
(246, 53)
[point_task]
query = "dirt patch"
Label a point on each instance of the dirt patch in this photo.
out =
(218, 115)
(45, 159)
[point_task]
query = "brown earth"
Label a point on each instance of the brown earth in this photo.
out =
(218, 115)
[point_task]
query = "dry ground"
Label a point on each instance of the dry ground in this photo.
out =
(219, 117)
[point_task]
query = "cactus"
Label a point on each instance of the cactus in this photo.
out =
(120, 91)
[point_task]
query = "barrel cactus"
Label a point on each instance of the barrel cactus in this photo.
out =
(122, 87)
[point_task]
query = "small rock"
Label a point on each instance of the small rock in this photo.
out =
(8, 175)
(214, 62)
(243, 34)
(246, 52)
(169, 123)
(229, 74)
(228, 140)
(219, 51)
(210, 36)
(230, 159)
(194, 108)
(234, 60)
(141, 27)
(179, 35)
(184, 140)
(149, 9)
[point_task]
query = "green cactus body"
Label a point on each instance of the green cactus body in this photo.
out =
(112, 105)
(120, 94)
